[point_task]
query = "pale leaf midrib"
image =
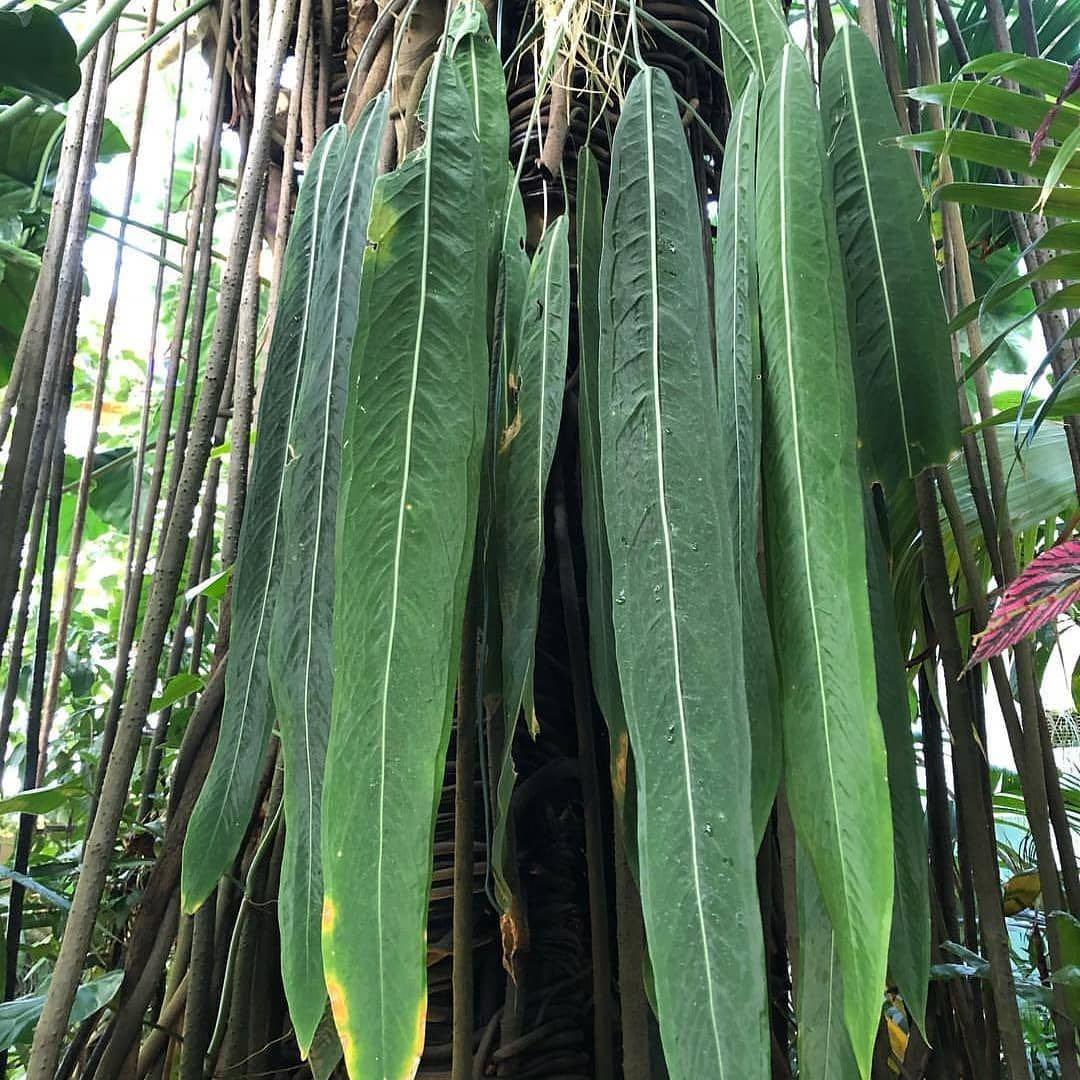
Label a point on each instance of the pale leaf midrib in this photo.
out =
(654, 296)
(805, 531)
(313, 570)
(398, 541)
(864, 168)
(301, 345)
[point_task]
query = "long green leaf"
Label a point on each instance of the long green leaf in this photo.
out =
(908, 413)
(909, 941)
(512, 281)
(301, 634)
(815, 549)
(538, 372)
(602, 662)
(406, 524)
(738, 384)
(823, 1042)
(222, 814)
(753, 36)
(1062, 202)
(1017, 110)
(994, 150)
(677, 633)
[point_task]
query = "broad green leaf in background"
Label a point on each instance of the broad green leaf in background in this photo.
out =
(301, 660)
(413, 438)
(18, 1017)
(37, 54)
(42, 800)
(223, 811)
(904, 383)
(738, 386)
(176, 689)
(824, 1045)
(909, 941)
(602, 663)
(815, 549)
(753, 36)
(537, 376)
(675, 602)
(29, 148)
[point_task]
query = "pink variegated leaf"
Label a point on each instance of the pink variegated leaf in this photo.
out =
(1046, 588)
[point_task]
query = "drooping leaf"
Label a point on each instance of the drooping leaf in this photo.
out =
(753, 35)
(18, 1017)
(908, 413)
(674, 604)
(537, 375)
(301, 634)
(37, 54)
(480, 67)
(406, 523)
(223, 810)
(815, 548)
(824, 1045)
(512, 280)
(602, 662)
(1046, 587)
(738, 385)
(909, 940)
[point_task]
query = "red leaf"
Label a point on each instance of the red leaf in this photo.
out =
(1046, 588)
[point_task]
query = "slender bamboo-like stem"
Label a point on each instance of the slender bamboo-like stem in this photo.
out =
(83, 496)
(99, 845)
(979, 833)
(205, 194)
(53, 480)
(37, 363)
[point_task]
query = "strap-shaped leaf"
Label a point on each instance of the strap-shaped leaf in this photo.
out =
(477, 60)
(823, 1041)
(512, 281)
(602, 662)
(909, 941)
(1063, 202)
(908, 413)
(301, 636)
(738, 386)
(815, 548)
(994, 150)
(406, 523)
(674, 606)
(223, 811)
(538, 373)
(1017, 110)
(754, 34)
